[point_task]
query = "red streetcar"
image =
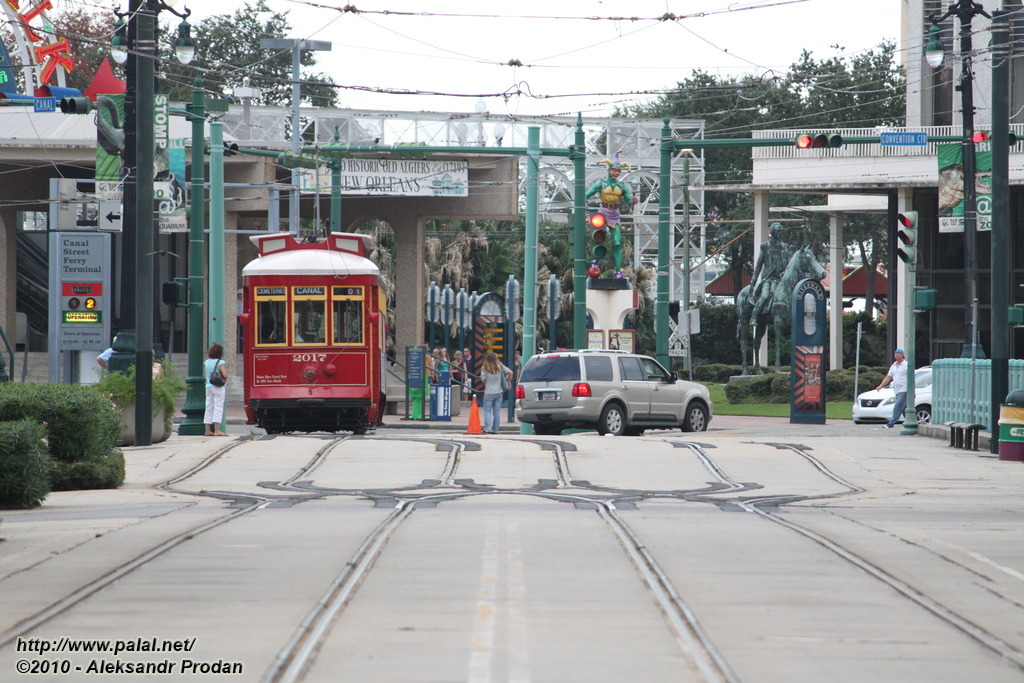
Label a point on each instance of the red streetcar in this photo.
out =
(314, 335)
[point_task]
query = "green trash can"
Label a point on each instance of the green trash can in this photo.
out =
(1011, 427)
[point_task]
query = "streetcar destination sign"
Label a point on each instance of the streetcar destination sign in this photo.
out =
(918, 139)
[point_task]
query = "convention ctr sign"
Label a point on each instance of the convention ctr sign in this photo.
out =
(394, 177)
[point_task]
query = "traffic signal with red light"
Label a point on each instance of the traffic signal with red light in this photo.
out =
(598, 224)
(986, 136)
(818, 140)
(907, 235)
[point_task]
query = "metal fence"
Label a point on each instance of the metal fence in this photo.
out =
(962, 389)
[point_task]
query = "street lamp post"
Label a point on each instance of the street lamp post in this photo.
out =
(296, 45)
(965, 11)
(138, 49)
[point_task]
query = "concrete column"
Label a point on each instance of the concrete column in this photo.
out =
(232, 283)
(760, 237)
(835, 296)
(410, 290)
(9, 272)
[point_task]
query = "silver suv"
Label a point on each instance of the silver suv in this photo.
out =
(612, 391)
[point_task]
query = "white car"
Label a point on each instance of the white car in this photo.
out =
(876, 405)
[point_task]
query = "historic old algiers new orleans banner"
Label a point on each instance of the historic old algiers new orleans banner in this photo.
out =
(951, 186)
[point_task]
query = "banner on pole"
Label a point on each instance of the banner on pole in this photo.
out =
(951, 186)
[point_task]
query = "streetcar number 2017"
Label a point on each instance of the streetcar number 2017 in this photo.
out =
(309, 357)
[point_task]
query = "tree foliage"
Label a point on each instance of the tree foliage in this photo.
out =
(88, 34)
(858, 91)
(228, 52)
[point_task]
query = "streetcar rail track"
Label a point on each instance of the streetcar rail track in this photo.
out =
(756, 505)
(89, 589)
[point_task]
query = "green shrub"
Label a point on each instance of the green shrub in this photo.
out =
(776, 388)
(96, 472)
(718, 373)
(25, 464)
(119, 387)
(80, 423)
(757, 389)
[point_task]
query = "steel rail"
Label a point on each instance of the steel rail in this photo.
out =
(85, 591)
(988, 640)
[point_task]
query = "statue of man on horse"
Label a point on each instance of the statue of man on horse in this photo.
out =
(768, 301)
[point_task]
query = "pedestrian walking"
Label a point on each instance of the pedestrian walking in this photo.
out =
(897, 377)
(215, 395)
(496, 378)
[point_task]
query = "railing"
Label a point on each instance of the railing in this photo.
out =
(962, 389)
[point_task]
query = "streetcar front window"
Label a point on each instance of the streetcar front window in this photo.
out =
(309, 322)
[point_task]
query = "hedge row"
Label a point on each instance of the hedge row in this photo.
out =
(775, 388)
(77, 429)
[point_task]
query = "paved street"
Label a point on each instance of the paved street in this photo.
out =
(758, 551)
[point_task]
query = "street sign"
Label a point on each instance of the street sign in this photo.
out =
(80, 291)
(44, 104)
(110, 215)
(904, 139)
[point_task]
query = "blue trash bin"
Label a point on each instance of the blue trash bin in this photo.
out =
(441, 399)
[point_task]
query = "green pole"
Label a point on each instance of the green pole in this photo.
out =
(216, 270)
(664, 240)
(579, 239)
(910, 421)
(1000, 280)
(336, 188)
(145, 114)
(530, 267)
(195, 399)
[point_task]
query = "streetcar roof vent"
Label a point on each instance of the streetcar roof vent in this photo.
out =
(353, 243)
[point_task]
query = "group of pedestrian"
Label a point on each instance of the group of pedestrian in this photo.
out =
(494, 375)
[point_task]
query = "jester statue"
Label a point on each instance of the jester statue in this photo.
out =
(615, 197)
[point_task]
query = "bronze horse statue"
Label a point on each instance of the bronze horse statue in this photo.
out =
(779, 313)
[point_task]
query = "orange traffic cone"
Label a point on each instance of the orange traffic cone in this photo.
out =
(474, 419)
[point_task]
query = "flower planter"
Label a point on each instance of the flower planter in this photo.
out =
(160, 432)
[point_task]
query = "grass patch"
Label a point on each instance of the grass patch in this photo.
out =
(834, 410)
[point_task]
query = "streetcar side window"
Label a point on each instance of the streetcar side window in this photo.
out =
(347, 318)
(348, 322)
(271, 316)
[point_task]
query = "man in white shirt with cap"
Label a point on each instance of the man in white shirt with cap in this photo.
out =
(897, 377)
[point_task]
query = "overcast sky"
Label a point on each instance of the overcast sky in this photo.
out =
(459, 47)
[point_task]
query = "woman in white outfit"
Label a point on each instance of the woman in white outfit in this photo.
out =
(214, 395)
